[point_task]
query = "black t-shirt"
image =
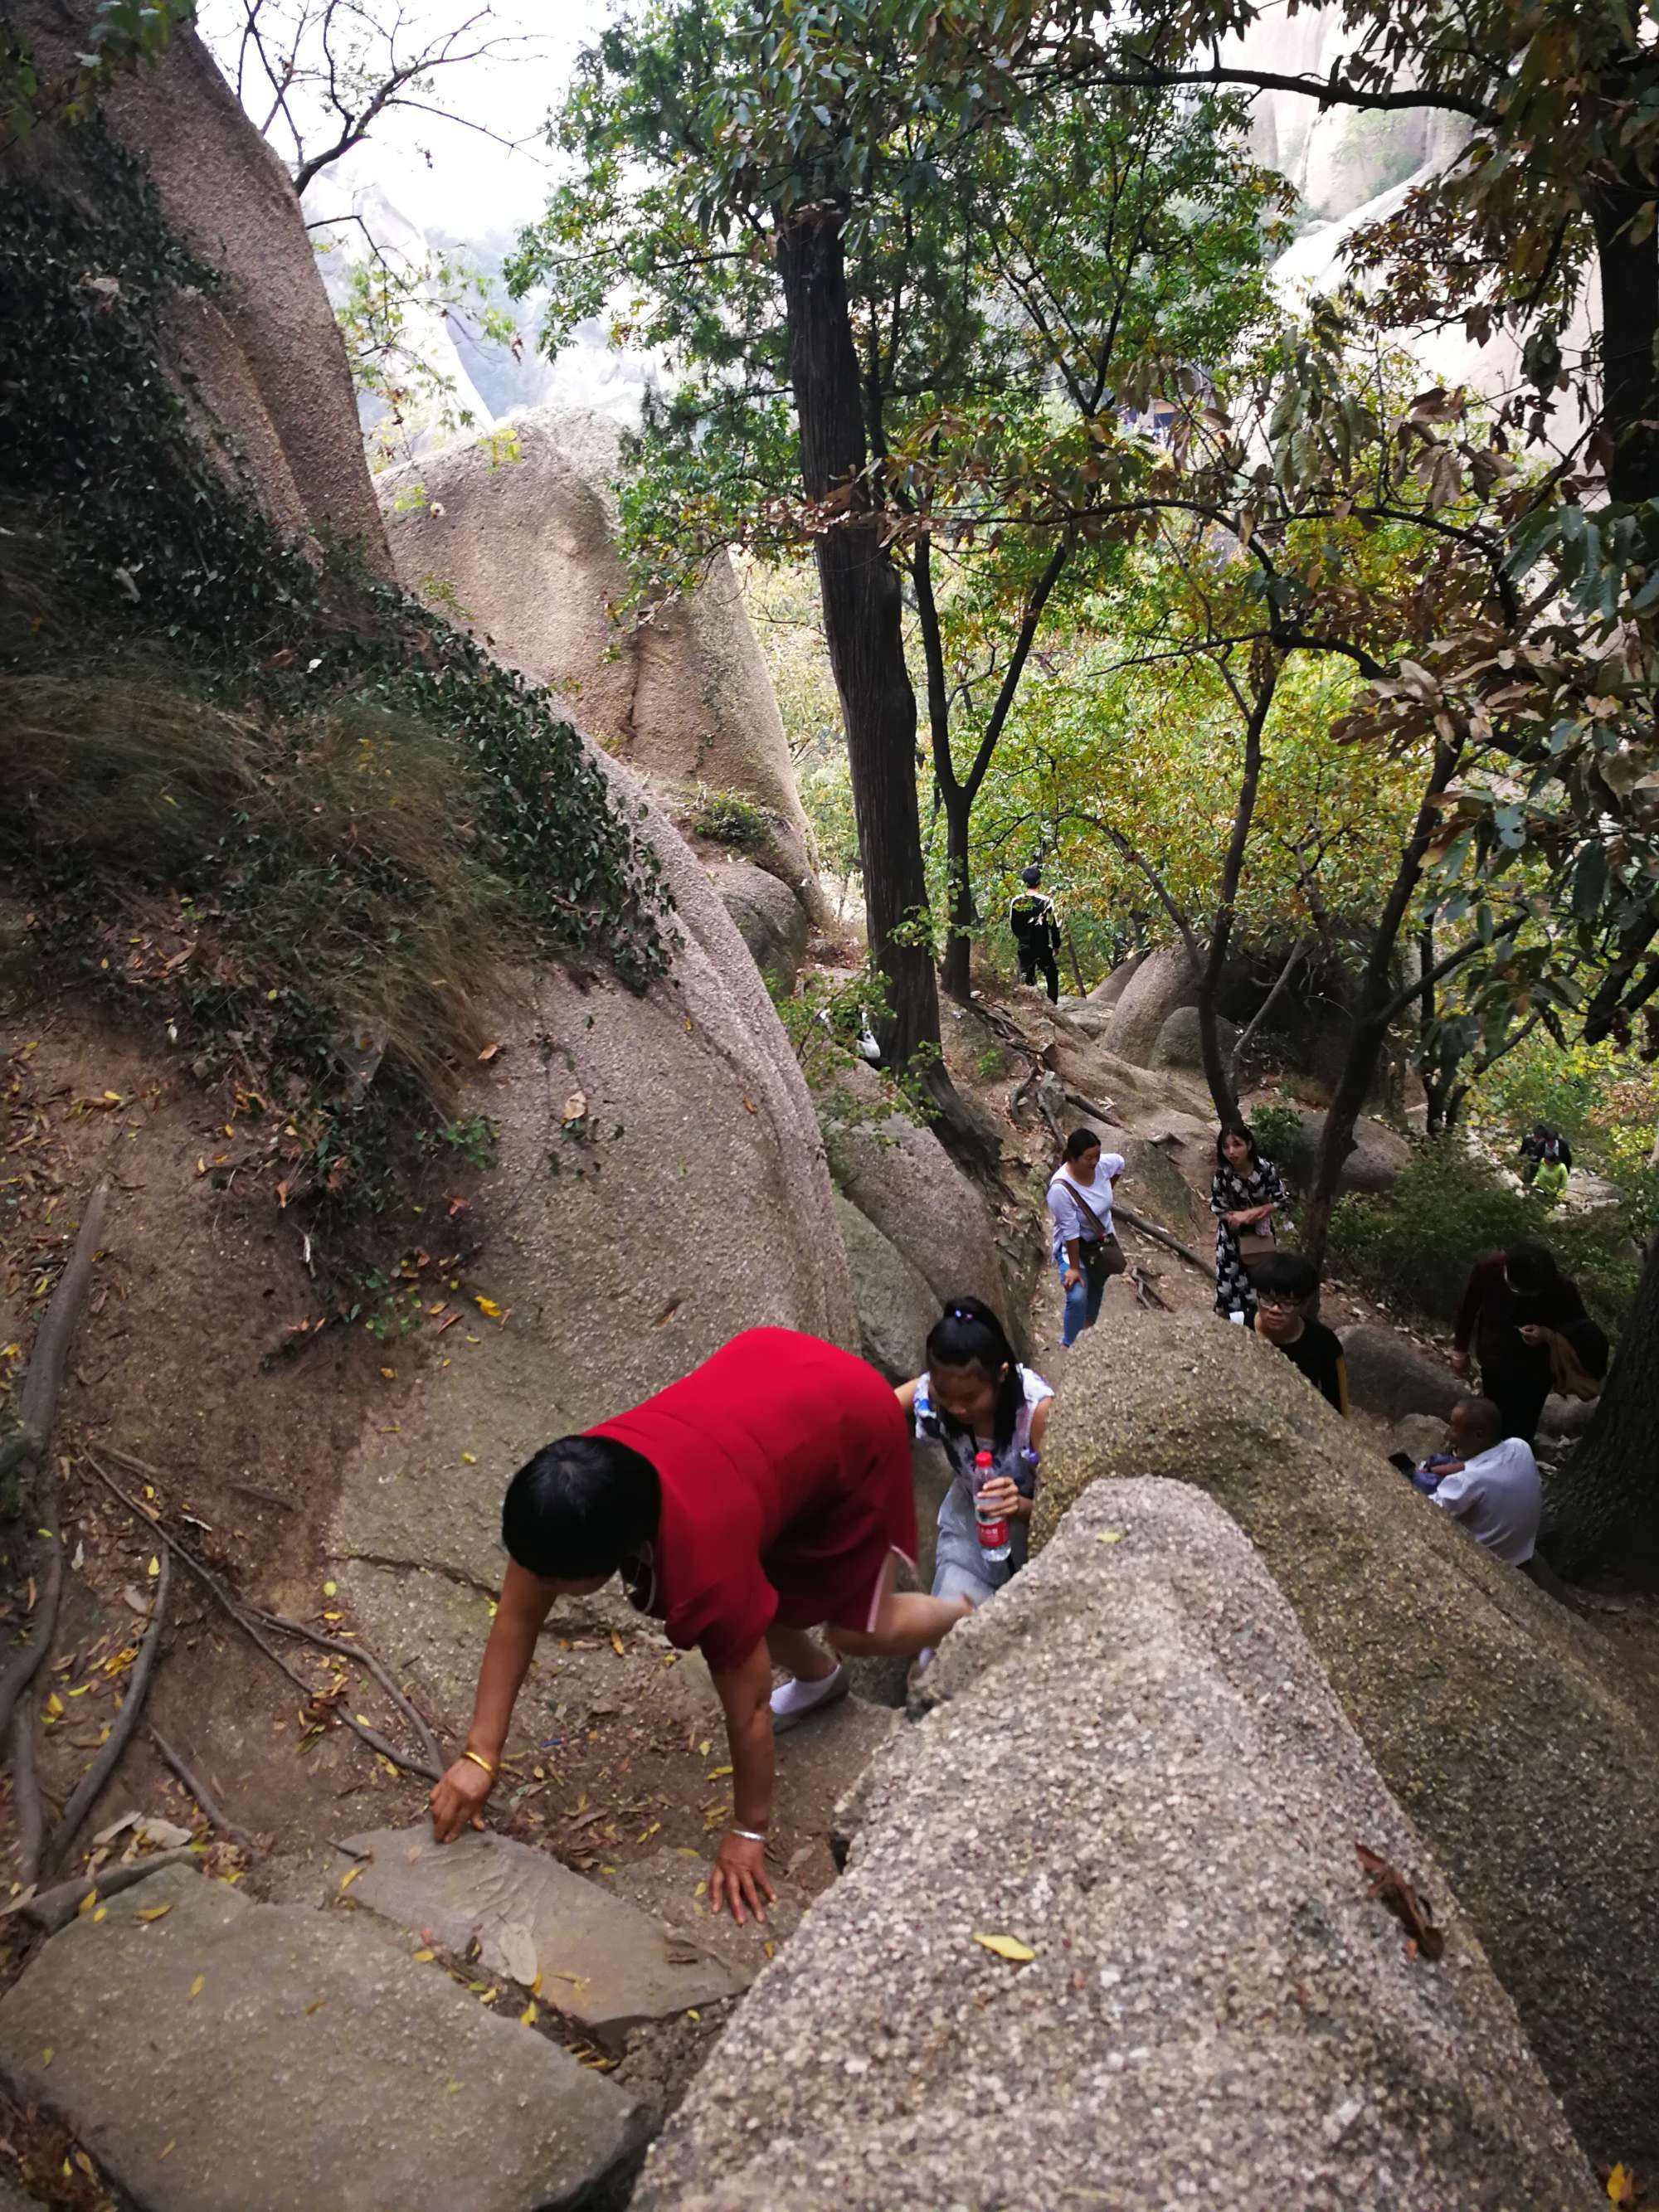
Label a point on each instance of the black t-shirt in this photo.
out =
(1317, 1353)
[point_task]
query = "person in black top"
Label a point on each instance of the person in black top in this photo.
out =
(1285, 1286)
(1037, 931)
(1543, 1144)
(1525, 1324)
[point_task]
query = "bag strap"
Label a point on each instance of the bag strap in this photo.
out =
(1099, 1225)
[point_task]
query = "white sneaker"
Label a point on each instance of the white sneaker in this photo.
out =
(792, 1701)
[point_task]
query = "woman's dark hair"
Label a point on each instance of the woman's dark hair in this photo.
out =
(1031, 876)
(1530, 1269)
(968, 1335)
(580, 1508)
(1236, 1129)
(1081, 1141)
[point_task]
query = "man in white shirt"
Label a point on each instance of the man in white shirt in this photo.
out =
(1492, 1485)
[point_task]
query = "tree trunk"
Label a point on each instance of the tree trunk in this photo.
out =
(1604, 1502)
(954, 974)
(862, 608)
(1630, 327)
(1218, 1071)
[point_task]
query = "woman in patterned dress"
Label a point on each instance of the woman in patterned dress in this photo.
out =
(1242, 1195)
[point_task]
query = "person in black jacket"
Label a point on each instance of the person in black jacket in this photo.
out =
(1543, 1144)
(1525, 1324)
(1037, 931)
(1287, 1286)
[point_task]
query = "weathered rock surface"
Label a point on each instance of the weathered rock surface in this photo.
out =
(689, 1200)
(1419, 1436)
(601, 1960)
(1132, 1765)
(529, 548)
(1111, 989)
(1389, 1378)
(664, 1886)
(1377, 1156)
(1500, 1722)
(232, 2056)
(1153, 1185)
(1178, 1042)
(1160, 983)
(897, 1306)
(901, 1177)
(261, 358)
(771, 920)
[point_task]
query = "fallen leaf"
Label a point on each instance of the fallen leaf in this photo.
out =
(153, 1912)
(198, 1985)
(390, 1373)
(46, 2056)
(423, 1957)
(488, 1307)
(1621, 2186)
(1008, 1946)
(469, 1459)
(490, 1052)
(347, 1880)
(751, 1106)
(316, 2005)
(528, 2017)
(1109, 1535)
(153, 1568)
(575, 1106)
(616, 1645)
(331, 1589)
(715, 1772)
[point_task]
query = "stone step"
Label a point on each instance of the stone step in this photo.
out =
(602, 1961)
(233, 2057)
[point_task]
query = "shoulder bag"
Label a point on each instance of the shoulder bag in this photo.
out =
(1101, 1254)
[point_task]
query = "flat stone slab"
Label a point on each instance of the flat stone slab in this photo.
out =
(233, 2057)
(665, 1886)
(601, 1960)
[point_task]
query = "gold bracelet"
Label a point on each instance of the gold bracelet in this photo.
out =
(478, 1759)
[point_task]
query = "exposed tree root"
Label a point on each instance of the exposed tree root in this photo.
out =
(1139, 1221)
(215, 1817)
(85, 1792)
(55, 1908)
(248, 1623)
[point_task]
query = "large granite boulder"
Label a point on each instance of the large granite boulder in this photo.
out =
(528, 548)
(259, 361)
(660, 1184)
(1180, 1045)
(901, 1177)
(1499, 1721)
(1110, 988)
(1165, 980)
(1131, 1771)
(895, 1303)
(1374, 1160)
(771, 920)
(1388, 1377)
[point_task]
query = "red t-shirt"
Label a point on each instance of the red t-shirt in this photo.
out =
(785, 1467)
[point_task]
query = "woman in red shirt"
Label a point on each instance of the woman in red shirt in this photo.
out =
(768, 1493)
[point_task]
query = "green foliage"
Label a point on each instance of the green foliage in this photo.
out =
(1448, 1207)
(726, 817)
(1278, 1131)
(824, 1020)
(332, 807)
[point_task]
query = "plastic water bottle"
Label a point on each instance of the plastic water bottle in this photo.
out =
(992, 1526)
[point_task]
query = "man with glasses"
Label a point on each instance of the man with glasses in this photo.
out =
(1285, 1286)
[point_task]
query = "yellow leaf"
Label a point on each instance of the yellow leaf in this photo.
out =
(422, 1957)
(390, 1373)
(616, 1645)
(1109, 1535)
(54, 1707)
(1008, 1946)
(349, 1879)
(166, 2149)
(490, 1052)
(153, 1912)
(715, 1772)
(469, 1459)
(331, 1589)
(198, 1985)
(529, 2016)
(100, 1914)
(1621, 2186)
(153, 1568)
(487, 1306)
(46, 2056)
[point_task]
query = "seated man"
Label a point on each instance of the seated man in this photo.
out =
(1285, 1286)
(1492, 1484)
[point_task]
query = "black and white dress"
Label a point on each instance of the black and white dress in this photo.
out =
(1231, 1193)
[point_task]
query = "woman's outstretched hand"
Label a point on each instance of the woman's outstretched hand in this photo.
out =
(459, 1799)
(739, 1878)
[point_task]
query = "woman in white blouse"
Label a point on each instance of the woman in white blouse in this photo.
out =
(1086, 1250)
